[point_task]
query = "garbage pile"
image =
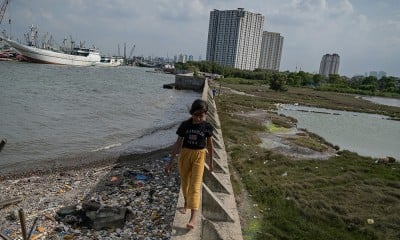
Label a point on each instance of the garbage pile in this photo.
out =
(123, 202)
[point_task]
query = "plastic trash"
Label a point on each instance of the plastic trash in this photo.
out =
(141, 177)
(166, 159)
(139, 184)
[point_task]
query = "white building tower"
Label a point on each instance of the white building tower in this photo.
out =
(271, 51)
(234, 38)
(329, 64)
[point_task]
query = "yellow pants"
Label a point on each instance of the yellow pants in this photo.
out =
(191, 168)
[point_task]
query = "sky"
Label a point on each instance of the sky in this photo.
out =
(365, 33)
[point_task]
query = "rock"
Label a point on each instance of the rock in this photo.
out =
(108, 217)
(13, 215)
(69, 210)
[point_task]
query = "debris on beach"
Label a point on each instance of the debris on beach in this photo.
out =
(124, 201)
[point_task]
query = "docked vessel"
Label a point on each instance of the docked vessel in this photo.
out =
(146, 64)
(76, 56)
(113, 61)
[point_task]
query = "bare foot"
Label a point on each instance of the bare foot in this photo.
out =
(182, 210)
(190, 225)
(192, 220)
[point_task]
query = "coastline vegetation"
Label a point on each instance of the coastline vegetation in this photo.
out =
(307, 97)
(344, 197)
(387, 86)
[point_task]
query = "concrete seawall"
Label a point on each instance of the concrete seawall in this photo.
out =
(190, 82)
(218, 217)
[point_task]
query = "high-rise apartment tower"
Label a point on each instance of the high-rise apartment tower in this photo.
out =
(271, 51)
(329, 64)
(234, 38)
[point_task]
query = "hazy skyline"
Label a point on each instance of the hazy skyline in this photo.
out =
(365, 33)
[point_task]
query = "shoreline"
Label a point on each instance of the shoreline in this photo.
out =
(87, 160)
(112, 183)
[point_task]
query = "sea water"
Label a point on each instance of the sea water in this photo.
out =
(52, 111)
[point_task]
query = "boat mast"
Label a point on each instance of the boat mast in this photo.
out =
(3, 9)
(32, 37)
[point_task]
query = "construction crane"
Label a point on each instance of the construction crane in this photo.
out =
(3, 9)
(131, 53)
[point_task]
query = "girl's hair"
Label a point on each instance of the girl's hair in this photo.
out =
(197, 105)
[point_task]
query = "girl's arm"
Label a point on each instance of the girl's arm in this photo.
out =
(175, 150)
(210, 154)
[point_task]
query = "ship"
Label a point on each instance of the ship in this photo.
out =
(113, 61)
(146, 64)
(76, 56)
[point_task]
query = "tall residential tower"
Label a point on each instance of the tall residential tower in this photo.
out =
(234, 38)
(329, 64)
(271, 51)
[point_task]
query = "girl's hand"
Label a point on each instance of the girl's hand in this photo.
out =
(168, 168)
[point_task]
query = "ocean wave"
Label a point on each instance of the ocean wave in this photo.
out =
(107, 147)
(147, 137)
(150, 139)
(151, 131)
(90, 112)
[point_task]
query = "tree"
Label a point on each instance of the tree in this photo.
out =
(317, 79)
(194, 69)
(371, 80)
(278, 82)
(370, 83)
(356, 81)
(387, 84)
(334, 78)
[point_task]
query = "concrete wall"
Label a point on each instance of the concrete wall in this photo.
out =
(188, 81)
(218, 217)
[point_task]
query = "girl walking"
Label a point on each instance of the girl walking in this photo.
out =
(193, 143)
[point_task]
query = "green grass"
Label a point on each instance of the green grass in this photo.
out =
(276, 128)
(308, 142)
(307, 199)
(244, 81)
(310, 97)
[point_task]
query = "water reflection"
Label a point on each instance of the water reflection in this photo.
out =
(367, 134)
(384, 101)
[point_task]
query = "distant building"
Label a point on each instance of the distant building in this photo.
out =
(373, 74)
(191, 58)
(377, 74)
(271, 51)
(234, 38)
(329, 64)
(181, 58)
(381, 74)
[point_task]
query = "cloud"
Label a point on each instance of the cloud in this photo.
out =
(180, 10)
(364, 32)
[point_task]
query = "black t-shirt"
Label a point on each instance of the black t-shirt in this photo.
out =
(194, 135)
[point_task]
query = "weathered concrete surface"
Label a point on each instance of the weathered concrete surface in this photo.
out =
(179, 230)
(218, 217)
(188, 81)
